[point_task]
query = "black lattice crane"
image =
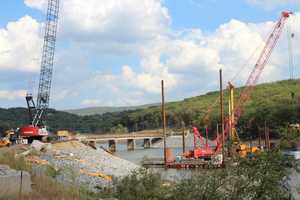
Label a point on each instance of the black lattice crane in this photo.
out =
(37, 112)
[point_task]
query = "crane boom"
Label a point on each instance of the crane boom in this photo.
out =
(235, 113)
(43, 97)
(254, 76)
(260, 64)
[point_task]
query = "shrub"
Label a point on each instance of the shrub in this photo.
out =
(260, 178)
(141, 185)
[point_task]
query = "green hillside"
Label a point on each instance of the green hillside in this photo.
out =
(271, 102)
(105, 109)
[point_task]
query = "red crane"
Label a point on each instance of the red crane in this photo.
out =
(254, 76)
(260, 64)
(37, 112)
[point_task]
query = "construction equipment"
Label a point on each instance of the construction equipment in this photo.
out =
(245, 96)
(260, 64)
(242, 149)
(64, 135)
(96, 174)
(255, 74)
(231, 120)
(38, 112)
(5, 140)
(204, 151)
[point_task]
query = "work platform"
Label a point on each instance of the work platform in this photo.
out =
(181, 164)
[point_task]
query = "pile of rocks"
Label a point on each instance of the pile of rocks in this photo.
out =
(80, 164)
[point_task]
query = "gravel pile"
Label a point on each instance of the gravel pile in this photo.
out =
(83, 165)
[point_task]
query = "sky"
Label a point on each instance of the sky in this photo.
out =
(116, 52)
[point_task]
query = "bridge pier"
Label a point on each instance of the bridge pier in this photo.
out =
(147, 143)
(130, 144)
(112, 145)
(92, 144)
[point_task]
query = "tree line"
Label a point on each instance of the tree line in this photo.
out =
(271, 103)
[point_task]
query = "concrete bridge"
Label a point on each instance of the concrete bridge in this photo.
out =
(147, 136)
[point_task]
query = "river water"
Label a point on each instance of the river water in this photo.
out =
(140, 153)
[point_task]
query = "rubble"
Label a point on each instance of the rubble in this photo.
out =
(77, 163)
(40, 146)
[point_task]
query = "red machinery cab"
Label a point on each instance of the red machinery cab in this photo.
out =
(203, 153)
(33, 131)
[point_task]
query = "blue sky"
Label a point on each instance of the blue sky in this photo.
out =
(209, 14)
(14, 10)
(115, 53)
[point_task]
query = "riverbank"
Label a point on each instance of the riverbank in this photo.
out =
(73, 170)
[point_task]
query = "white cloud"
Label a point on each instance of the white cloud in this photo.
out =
(65, 94)
(90, 102)
(148, 82)
(188, 60)
(191, 59)
(121, 21)
(38, 4)
(114, 88)
(20, 45)
(12, 95)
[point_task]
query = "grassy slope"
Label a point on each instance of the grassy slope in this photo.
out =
(264, 97)
(102, 110)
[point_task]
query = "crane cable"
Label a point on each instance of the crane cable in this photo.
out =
(206, 117)
(290, 36)
(246, 64)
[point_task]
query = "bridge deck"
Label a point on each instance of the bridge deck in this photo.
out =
(134, 135)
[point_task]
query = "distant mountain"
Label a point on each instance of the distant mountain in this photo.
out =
(106, 109)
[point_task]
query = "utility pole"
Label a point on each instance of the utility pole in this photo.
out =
(163, 113)
(259, 138)
(183, 137)
(217, 130)
(267, 137)
(222, 114)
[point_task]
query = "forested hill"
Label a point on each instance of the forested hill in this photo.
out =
(105, 109)
(271, 102)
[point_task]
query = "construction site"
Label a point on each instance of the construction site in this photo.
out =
(215, 155)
